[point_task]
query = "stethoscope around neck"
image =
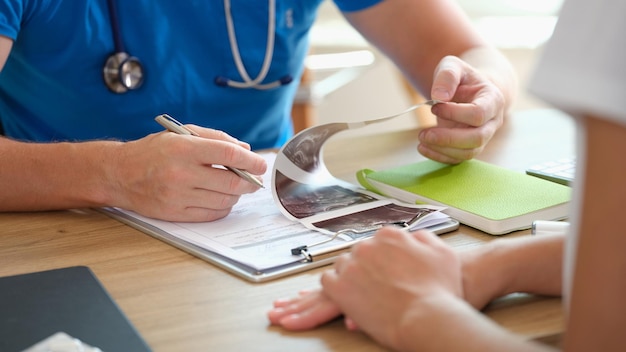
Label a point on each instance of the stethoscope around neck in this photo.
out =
(123, 72)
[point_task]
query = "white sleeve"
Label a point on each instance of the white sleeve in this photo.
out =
(583, 66)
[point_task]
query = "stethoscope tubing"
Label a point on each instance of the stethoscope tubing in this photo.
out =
(115, 27)
(267, 60)
(234, 47)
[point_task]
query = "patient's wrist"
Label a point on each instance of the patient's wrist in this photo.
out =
(485, 274)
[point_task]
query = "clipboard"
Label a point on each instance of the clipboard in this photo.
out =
(318, 258)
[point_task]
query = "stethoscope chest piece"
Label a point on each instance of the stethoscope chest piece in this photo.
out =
(122, 72)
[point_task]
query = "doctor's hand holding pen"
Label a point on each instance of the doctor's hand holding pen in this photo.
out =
(163, 175)
(173, 177)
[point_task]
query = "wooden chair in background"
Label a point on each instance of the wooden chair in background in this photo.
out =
(303, 110)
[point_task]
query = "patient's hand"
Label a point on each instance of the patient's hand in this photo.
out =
(311, 309)
(307, 311)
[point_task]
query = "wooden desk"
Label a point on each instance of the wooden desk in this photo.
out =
(181, 303)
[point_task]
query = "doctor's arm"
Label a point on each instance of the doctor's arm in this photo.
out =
(163, 175)
(435, 46)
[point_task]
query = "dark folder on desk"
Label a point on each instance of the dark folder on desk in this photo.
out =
(35, 306)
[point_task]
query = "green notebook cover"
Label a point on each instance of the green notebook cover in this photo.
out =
(482, 195)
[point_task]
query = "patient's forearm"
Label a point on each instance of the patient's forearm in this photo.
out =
(528, 264)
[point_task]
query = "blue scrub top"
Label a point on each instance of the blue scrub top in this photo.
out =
(51, 87)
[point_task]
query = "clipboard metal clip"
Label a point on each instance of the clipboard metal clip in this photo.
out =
(304, 249)
(308, 257)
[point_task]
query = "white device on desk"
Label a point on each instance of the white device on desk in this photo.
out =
(545, 227)
(560, 171)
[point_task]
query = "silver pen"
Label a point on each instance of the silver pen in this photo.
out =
(172, 125)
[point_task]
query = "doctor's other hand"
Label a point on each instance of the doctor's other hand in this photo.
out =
(174, 177)
(473, 110)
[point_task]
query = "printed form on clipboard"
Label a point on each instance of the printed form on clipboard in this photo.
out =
(304, 220)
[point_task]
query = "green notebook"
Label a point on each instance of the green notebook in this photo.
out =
(487, 197)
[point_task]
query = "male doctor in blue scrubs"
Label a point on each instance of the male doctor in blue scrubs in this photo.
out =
(80, 83)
